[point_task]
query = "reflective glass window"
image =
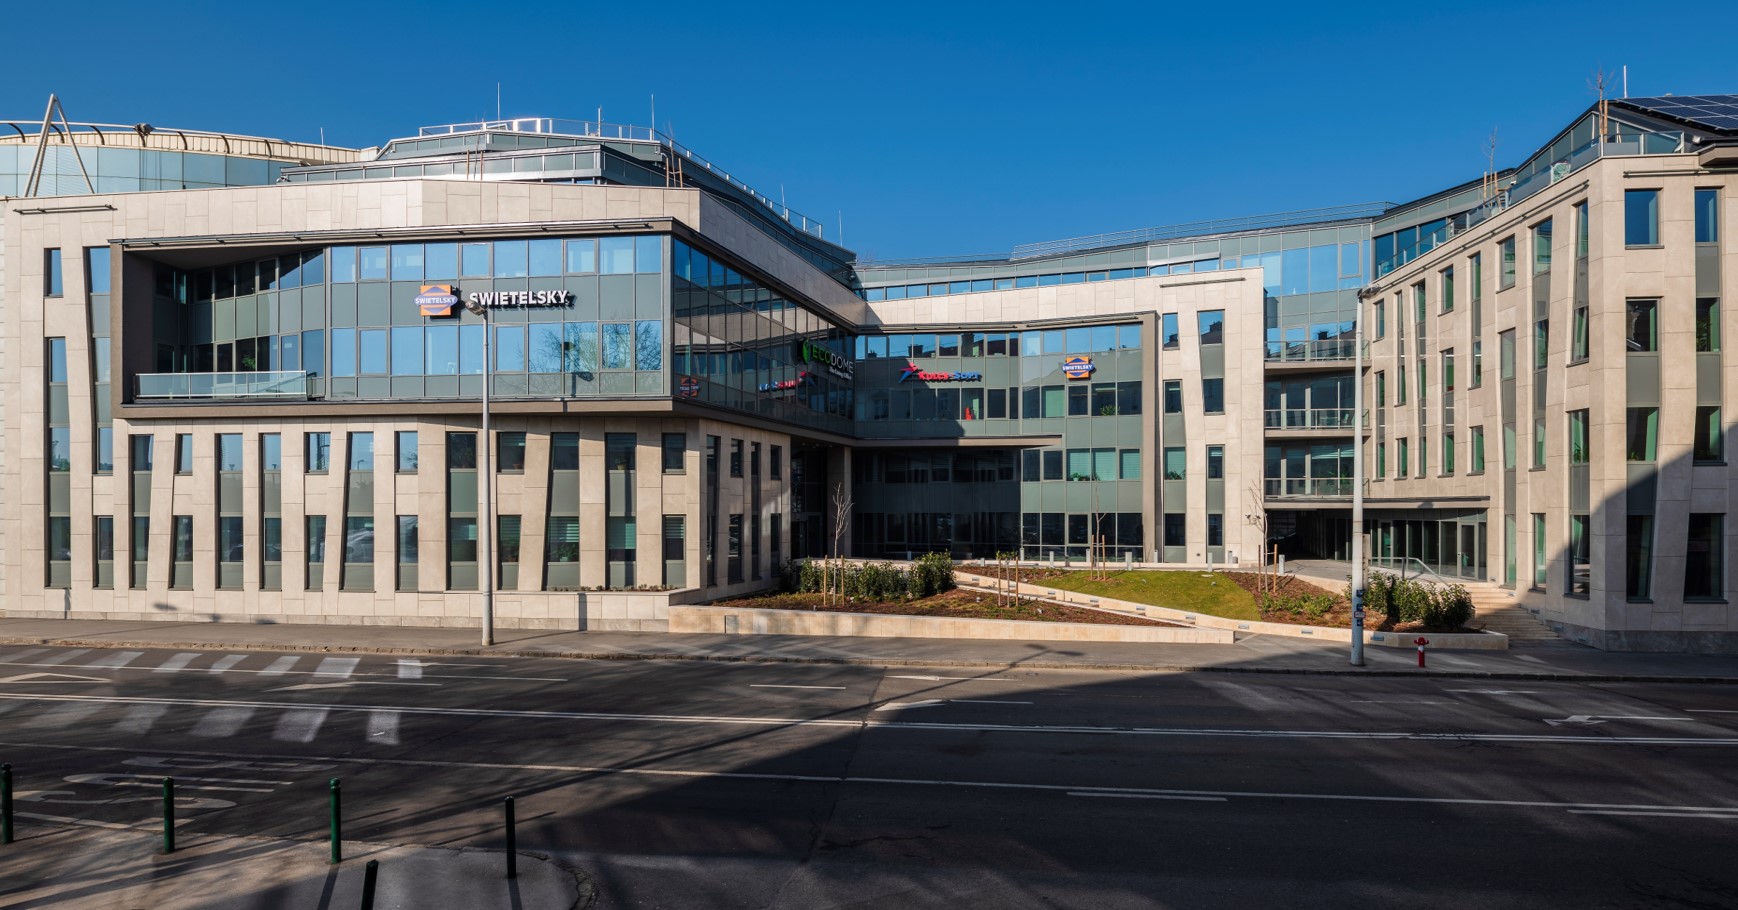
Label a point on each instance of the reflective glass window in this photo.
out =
(510, 348)
(407, 263)
(443, 349)
(406, 451)
(1707, 217)
(361, 451)
(1168, 331)
(1641, 217)
(616, 255)
(371, 351)
(547, 354)
(649, 254)
(471, 349)
(441, 261)
(97, 269)
(371, 263)
(582, 354)
(618, 346)
(581, 256)
(343, 352)
(648, 344)
(407, 351)
(474, 260)
(511, 259)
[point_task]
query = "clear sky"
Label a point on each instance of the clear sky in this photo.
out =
(930, 128)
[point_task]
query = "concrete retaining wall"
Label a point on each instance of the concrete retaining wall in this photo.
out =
(1459, 641)
(743, 621)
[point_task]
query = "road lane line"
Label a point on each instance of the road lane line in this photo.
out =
(177, 662)
(140, 718)
(224, 663)
(1069, 789)
(900, 726)
(62, 657)
(1708, 711)
(1202, 799)
(958, 678)
(383, 727)
(116, 661)
(771, 686)
(337, 666)
(983, 701)
(222, 722)
(301, 725)
(280, 666)
(1686, 813)
(410, 668)
(28, 652)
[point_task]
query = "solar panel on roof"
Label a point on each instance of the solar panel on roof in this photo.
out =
(1715, 111)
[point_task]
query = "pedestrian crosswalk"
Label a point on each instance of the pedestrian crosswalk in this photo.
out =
(290, 724)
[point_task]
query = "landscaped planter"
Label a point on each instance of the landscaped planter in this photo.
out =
(748, 621)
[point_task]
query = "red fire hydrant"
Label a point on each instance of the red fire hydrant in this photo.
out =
(1421, 641)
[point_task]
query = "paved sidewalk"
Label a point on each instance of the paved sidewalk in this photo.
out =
(64, 866)
(1255, 654)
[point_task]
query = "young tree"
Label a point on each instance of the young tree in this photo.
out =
(841, 501)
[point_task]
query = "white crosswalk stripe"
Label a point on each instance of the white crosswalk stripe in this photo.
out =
(383, 727)
(225, 663)
(410, 668)
(280, 666)
(25, 655)
(221, 722)
(62, 716)
(339, 667)
(62, 657)
(117, 660)
(300, 725)
(140, 718)
(177, 662)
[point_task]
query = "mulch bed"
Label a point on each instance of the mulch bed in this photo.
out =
(961, 604)
(1339, 616)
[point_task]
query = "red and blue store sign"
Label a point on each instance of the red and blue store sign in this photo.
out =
(913, 371)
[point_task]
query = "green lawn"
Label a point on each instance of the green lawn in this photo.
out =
(1197, 592)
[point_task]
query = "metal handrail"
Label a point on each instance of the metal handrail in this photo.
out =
(1309, 418)
(1353, 211)
(1402, 561)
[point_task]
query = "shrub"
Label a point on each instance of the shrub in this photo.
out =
(1315, 606)
(1449, 609)
(932, 574)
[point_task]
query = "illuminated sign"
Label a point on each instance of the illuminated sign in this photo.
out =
(1078, 367)
(520, 298)
(913, 371)
(836, 364)
(688, 387)
(437, 300)
(803, 378)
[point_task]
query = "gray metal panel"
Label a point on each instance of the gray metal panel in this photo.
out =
(1212, 361)
(1171, 429)
(1541, 295)
(356, 577)
(407, 577)
(563, 493)
(1174, 495)
(561, 576)
(616, 298)
(1707, 270)
(57, 408)
(1642, 379)
(229, 575)
(59, 493)
(1708, 379)
(1580, 477)
(1642, 489)
(374, 304)
(229, 493)
(1215, 496)
(462, 492)
(141, 493)
(272, 576)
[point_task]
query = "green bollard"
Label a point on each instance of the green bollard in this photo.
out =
(337, 824)
(512, 842)
(5, 804)
(369, 873)
(168, 815)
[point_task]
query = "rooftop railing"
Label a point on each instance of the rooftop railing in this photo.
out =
(1354, 212)
(1312, 418)
(1319, 349)
(1307, 487)
(284, 385)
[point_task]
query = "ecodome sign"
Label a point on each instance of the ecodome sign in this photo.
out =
(836, 364)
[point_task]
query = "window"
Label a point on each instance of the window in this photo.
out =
(1542, 247)
(1212, 324)
(1215, 529)
(405, 440)
(1506, 278)
(1643, 331)
(1710, 444)
(1215, 462)
(1707, 325)
(1423, 455)
(1404, 462)
(777, 467)
(1381, 319)
(1641, 217)
(1052, 464)
(183, 453)
(1506, 355)
(1078, 401)
(1705, 563)
(1478, 364)
(1448, 290)
(1418, 304)
(1175, 463)
(1644, 424)
(1476, 263)
(1581, 230)
(1541, 344)
(229, 452)
(1448, 370)
(1173, 396)
(1580, 555)
(1638, 563)
(1176, 534)
(183, 542)
(562, 544)
(675, 453)
(1213, 396)
(52, 285)
(1578, 445)
(1448, 453)
(1707, 215)
(105, 450)
(1130, 464)
(1478, 450)
(407, 550)
(318, 452)
(733, 551)
(1400, 389)
(1168, 330)
(510, 453)
(1539, 565)
(620, 451)
(1578, 336)
(1381, 460)
(1539, 442)
(736, 458)
(362, 452)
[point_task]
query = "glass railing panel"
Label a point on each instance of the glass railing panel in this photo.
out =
(289, 385)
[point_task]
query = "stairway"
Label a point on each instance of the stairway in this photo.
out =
(1495, 610)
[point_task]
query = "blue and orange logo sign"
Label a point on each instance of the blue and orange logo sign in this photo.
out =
(437, 300)
(1078, 367)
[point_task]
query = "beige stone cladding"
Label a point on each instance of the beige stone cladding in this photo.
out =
(1599, 383)
(1237, 292)
(303, 212)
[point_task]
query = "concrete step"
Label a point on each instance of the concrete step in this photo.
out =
(1514, 621)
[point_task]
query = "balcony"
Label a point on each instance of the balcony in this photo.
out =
(1322, 349)
(1313, 419)
(1307, 487)
(286, 386)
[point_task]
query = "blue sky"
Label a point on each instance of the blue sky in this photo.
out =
(931, 129)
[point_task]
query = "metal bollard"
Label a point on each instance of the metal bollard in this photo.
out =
(1421, 641)
(337, 823)
(512, 842)
(6, 804)
(369, 873)
(168, 815)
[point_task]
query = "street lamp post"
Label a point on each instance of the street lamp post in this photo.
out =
(486, 529)
(1358, 489)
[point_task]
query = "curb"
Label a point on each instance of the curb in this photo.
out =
(877, 661)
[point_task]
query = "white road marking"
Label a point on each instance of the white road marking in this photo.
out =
(1711, 811)
(222, 721)
(280, 666)
(300, 725)
(63, 716)
(926, 703)
(52, 678)
(1686, 813)
(1493, 691)
(770, 686)
(347, 684)
(177, 662)
(140, 718)
(117, 660)
(900, 725)
(957, 678)
(224, 663)
(410, 668)
(383, 727)
(1586, 720)
(62, 657)
(1382, 702)
(1709, 711)
(983, 701)
(1203, 799)
(337, 666)
(30, 652)
(124, 779)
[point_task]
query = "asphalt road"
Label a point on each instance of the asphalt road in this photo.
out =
(771, 786)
